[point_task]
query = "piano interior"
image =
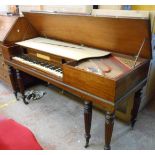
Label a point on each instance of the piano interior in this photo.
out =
(113, 66)
(44, 56)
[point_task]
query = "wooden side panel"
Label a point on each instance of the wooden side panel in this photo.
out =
(130, 80)
(22, 30)
(89, 82)
(115, 34)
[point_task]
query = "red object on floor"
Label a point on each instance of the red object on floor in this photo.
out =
(14, 136)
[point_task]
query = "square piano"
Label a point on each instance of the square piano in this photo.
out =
(102, 60)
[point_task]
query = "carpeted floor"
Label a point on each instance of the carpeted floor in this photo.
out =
(57, 122)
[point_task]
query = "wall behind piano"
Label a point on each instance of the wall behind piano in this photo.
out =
(29, 8)
(69, 8)
(111, 7)
(3, 9)
(58, 8)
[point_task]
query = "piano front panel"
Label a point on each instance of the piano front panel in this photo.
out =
(89, 82)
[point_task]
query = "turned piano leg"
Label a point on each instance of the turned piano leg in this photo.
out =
(21, 85)
(109, 124)
(87, 120)
(12, 79)
(136, 105)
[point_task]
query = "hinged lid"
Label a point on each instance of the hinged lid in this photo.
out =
(121, 35)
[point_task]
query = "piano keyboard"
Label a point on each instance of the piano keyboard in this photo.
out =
(44, 66)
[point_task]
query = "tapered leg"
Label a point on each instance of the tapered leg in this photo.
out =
(21, 86)
(109, 123)
(134, 112)
(12, 79)
(87, 120)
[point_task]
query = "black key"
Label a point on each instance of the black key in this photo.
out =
(23, 56)
(53, 68)
(36, 62)
(58, 70)
(48, 65)
(51, 65)
(33, 61)
(28, 59)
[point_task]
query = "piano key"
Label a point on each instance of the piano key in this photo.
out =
(40, 65)
(58, 70)
(48, 65)
(53, 68)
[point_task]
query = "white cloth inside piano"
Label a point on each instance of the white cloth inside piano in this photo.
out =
(63, 49)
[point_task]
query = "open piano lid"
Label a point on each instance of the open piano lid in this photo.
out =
(120, 35)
